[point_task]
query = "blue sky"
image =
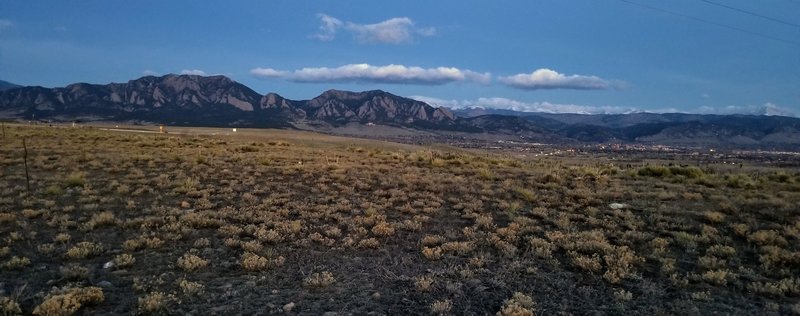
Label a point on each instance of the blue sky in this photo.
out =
(547, 55)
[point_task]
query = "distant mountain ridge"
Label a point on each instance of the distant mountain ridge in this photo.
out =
(220, 101)
(5, 85)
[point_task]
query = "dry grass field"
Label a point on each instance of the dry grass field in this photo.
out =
(271, 222)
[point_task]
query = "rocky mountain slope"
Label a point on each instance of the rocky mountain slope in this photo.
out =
(214, 100)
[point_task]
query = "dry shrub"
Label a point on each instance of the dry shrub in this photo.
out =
(518, 305)
(319, 279)
(423, 283)
(586, 263)
(441, 307)
(9, 306)
(622, 295)
(459, 247)
(767, 237)
(252, 246)
(478, 261)
(62, 238)
(369, 243)
(269, 235)
(432, 240)
(69, 301)
(714, 217)
(83, 250)
(383, 229)
(189, 262)
(100, 219)
(16, 263)
(74, 272)
(124, 260)
(741, 230)
(230, 230)
(434, 253)
(333, 232)
(190, 288)
(202, 243)
(619, 264)
(254, 262)
(721, 251)
(155, 302)
(7, 217)
(153, 242)
(542, 248)
(717, 277)
(787, 287)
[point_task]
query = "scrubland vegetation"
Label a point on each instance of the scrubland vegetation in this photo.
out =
(282, 222)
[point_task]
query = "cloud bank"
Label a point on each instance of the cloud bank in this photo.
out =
(398, 30)
(549, 79)
(396, 74)
(497, 103)
(763, 109)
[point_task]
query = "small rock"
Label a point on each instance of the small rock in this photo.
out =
(288, 307)
(616, 206)
(105, 284)
(108, 265)
(330, 314)
(274, 291)
(185, 204)
(376, 295)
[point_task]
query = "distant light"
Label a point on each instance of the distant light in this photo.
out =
(234, 130)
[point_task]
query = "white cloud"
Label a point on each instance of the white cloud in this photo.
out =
(327, 28)
(149, 72)
(5, 24)
(549, 79)
(397, 30)
(381, 74)
(193, 72)
(497, 103)
(267, 73)
(60, 29)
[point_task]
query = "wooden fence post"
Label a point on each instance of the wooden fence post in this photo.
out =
(25, 159)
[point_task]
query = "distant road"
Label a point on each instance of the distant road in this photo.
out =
(129, 130)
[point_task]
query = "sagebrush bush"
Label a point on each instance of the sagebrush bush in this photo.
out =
(154, 302)
(9, 306)
(190, 262)
(518, 305)
(254, 262)
(70, 301)
(124, 260)
(16, 263)
(441, 307)
(319, 279)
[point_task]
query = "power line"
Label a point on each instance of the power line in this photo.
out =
(751, 13)
(778, 39)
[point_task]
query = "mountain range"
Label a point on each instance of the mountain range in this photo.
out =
(219, 101)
